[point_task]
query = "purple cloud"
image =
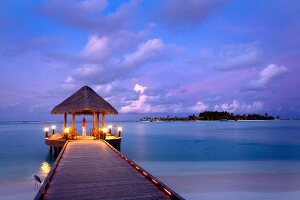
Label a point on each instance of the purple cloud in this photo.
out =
(231, 56)
(90, 14)
(266, 75)
(188, 12)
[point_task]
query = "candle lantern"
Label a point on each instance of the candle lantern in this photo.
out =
(109, 129)
(46, 129)
(66, 131)
(119, 131)
(53, 129)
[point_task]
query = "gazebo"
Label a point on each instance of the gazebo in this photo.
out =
(85, 102)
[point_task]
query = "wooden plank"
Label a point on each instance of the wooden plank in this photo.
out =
(90, 169)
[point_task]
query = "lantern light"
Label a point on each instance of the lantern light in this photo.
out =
(119, 131)
(46, 129)
(53, 128)
(67, 129)
(104, 130)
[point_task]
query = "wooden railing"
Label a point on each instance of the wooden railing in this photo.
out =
(168, 191)
(45, 184)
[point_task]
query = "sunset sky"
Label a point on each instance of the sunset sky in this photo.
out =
(169, 56)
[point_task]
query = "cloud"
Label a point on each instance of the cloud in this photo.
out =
(187, 12)
(89, 14)
(229, 107)
(139, 88)
(199, 107)
(230, 57)
(237, 56)
(237, 106)
(266, 76)
(141, 105)
(96, 49)
(147, 50)
(270, 72)
(113, 68)
(255, 106)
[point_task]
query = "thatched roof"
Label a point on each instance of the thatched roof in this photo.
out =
(84, 101)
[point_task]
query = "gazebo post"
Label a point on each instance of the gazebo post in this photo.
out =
(93, 120)
(65, 120)
(73, 122)
(103, 120)
(97, 121)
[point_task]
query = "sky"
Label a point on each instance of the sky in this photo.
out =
(144, 56)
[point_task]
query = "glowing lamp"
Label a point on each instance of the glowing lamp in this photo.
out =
(67, 130)
(119, 131)
(46, 129)
(104, 130)
(53, 128)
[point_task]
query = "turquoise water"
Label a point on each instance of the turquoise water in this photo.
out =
(207, 160)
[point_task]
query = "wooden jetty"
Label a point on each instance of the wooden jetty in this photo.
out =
(93, 169)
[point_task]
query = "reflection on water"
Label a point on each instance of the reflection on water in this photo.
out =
(44, 170)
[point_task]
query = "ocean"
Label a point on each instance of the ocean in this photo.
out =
(199, 160)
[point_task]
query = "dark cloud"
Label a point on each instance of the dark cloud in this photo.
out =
(187, 12)
(230, 57)
(89, 15)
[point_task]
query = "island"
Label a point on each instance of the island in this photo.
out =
(212, 116)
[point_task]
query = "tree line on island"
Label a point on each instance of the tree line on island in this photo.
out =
(213, 116)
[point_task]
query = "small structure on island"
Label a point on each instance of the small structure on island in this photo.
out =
(84, 102)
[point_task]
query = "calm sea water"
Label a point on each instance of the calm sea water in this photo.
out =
(199, 160)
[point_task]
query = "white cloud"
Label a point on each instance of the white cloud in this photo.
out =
(199, 107)
(102, 64)
(141, 105)
(139, 88)
(146, 51)
(266, 76)
(236, 106)
(230, 107)
(270, 72)
(96, 49)
(255, 106)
